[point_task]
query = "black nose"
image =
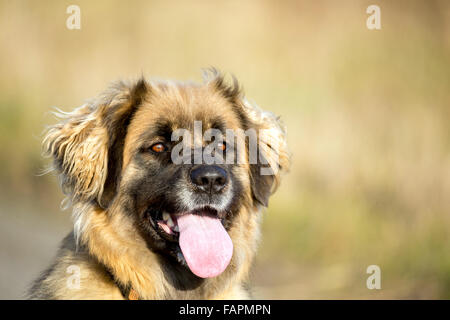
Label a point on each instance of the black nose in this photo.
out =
(209, 178)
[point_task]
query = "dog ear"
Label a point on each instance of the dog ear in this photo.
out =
(86, 144)
(273, 154)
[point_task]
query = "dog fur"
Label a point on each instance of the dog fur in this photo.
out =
(94, 149)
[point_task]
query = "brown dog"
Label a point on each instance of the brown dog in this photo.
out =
(147, 226)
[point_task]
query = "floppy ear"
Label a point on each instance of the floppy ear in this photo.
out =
(273, 154)
(86, 144)
(273, 157)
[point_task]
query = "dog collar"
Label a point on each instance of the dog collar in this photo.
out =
(127, 291)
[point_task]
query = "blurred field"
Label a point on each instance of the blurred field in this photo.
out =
(367, 115)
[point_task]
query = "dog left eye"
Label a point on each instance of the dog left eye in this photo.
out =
(158, 147)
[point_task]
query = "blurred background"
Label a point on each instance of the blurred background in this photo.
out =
(367, 113)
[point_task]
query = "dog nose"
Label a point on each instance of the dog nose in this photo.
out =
(209, 178)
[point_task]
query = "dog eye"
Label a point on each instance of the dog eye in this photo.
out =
(158, 147)
(222, 146)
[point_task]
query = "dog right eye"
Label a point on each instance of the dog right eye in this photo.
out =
(158, 147)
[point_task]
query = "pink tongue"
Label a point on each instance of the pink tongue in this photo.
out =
(205, 244)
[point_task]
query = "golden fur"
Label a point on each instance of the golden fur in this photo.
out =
(105, 240)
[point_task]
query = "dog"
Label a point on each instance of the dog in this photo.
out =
(149, 223)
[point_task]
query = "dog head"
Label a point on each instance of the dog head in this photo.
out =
(179, 160)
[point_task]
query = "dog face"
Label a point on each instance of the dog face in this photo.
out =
(121, 153)
(158, 191)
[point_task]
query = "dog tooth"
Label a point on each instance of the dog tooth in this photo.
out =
(166, 216)
(176, 229)
(170, 222)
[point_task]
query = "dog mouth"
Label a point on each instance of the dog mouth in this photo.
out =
(168, 226)
(201, 236)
